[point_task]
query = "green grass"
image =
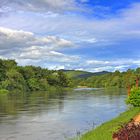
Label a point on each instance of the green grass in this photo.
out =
(4, 91)
(74, 74)
(105, 131)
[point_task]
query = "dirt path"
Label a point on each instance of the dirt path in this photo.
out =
(136, 119)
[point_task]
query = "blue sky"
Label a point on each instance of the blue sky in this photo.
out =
(90, 35)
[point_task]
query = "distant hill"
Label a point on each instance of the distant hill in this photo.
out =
(82, 74)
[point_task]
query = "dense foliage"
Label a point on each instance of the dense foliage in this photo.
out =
(114, 79)
(29, 78)
(134, 98)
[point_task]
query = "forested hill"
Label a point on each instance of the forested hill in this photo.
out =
(29, 78)
(117, 79)
(82, 74)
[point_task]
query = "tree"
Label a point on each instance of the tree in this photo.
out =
(14, 81)
(33, 84)
(134, 98)
(62, 79)
(2, 70)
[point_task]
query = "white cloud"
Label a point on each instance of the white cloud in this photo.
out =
(111, 65)
(57, 67)
(41, 53)
(115, 62)
(41, 5)
(27, 48)
(97, 62)
(124, 26)
(25, 45)
(50, 32)
(11, 38)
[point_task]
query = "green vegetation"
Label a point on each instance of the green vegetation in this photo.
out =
(29, 78)
(115, 79)
(4, 91)
(77, 74)
(105, 131)
(134, 98)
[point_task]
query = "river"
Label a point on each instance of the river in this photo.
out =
(57, 116)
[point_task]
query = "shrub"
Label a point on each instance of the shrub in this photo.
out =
(134, 98)
(4, 91)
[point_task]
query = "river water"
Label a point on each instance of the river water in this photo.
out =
(58, 115)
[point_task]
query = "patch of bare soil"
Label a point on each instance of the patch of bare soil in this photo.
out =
(136, 119)
(130, 131)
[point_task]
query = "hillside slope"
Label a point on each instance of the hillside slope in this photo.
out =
(82, 74)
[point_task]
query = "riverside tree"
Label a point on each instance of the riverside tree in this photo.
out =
(29, 78)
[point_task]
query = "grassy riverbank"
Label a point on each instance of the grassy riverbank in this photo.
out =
(105, 131)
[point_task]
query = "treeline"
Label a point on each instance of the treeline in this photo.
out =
(29, 78)
(115, 79)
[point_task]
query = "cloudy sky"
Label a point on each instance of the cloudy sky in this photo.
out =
(91, 35)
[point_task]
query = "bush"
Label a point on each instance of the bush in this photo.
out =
(4, 91)
(134, 98)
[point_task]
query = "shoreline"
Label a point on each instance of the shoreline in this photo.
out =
(106, 130)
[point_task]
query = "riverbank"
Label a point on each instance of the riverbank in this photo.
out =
(105, 131)
(130, 131)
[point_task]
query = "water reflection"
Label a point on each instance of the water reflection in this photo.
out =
(57, 115)
(30, 103)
